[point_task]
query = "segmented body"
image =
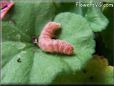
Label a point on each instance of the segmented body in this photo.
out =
(47, 44)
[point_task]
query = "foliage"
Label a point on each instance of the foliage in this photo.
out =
(26, 20)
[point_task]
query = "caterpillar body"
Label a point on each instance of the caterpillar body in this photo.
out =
(5, 8)
(47, 44)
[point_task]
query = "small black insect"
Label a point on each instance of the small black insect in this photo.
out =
(34, 40)
(19, 60)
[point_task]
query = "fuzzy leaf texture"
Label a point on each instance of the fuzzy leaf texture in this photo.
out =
(25, 63)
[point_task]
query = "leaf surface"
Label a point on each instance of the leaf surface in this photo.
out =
(23, 62)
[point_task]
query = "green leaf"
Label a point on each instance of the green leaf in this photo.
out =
(50, 65)
(94, 15)
(25, 63)
(18, 23)
(98, 21)
(18, 72)
(72, 32)
(17, 47)
(44, 67)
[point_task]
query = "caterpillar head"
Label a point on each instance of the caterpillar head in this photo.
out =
(69, 50)
(54, 25)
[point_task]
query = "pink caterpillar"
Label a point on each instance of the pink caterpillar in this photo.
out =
(5, 8)
(47, 44)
